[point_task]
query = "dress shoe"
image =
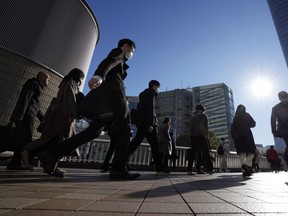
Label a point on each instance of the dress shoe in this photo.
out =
(105, 168)
(117, 175)
(56, 173)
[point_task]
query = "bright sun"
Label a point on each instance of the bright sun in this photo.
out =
(261, 87)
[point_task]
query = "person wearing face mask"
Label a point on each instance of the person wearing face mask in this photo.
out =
(26, 109)
(108, 78)
(147, 125)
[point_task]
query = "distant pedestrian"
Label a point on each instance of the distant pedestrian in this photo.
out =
(273, 159)
(223, 156)
(24, 113)
(256, 160)
(199, 142)
(243, 138)
(174, 155)
(164, 142)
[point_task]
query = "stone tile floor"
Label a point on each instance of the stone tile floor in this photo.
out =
(85, 192)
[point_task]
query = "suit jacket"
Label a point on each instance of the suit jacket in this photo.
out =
(113, 71)
(146, 108)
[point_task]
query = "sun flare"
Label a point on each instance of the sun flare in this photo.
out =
(261, 87)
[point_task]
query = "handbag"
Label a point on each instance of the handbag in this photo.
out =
(6, 135)
(95, 104)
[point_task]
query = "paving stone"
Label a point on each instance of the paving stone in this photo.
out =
(171, 208)
(61, 204)
(112, 206)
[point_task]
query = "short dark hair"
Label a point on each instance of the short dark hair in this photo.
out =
(166, 120)
(200, 107)
(126, 41)
(153, 82)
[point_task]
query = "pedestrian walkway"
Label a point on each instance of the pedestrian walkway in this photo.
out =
(85, 192)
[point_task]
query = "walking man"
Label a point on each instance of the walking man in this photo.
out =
(26, 109)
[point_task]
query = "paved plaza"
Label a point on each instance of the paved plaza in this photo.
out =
(85, 192)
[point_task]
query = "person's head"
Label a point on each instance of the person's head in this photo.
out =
(240, 109)
(272, 147)
(43, 77)
(200, 107)
(128, 46)
(166, 120)
(75, 74)
(222, 139)
(282, 95)
(154, 84)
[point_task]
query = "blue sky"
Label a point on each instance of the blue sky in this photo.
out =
(191, 43)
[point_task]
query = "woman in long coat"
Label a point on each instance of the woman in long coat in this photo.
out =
(59, 120)
(243, 138)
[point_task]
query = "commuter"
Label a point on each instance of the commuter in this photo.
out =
(59, 121)
(223, 155)
(107, 88)
(174, 155)
(279, 119)
(164, 141)
(147, 125)
(273, 159)
(199, 142)
(26, 109)
(256, 161)
(243, 138)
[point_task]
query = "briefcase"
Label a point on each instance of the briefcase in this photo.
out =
(95, 105)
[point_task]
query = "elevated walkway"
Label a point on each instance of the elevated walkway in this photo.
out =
(85, 192)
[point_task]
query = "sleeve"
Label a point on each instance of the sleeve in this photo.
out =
(273, 120)
(69, 101)
(24, 99)
(113, 59)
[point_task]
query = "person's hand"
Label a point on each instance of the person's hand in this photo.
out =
(150, 129)
(94, 83)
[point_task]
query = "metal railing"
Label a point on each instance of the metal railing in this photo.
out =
(95, 151)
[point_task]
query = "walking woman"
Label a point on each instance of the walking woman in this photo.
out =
(59, 118)
(243, 138)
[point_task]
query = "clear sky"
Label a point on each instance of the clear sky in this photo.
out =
(188, 43)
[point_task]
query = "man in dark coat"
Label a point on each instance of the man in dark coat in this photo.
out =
(109, 77)
(147, 124)
(26, 109)
(279, 120)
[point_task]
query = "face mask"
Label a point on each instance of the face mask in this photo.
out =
(129, 55)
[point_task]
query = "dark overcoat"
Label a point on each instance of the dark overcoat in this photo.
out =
(244, 143)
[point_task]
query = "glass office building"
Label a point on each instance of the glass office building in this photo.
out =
(279, 12)
(219, 104)
(42, 35)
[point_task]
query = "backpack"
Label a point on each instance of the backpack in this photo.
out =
(220, 150)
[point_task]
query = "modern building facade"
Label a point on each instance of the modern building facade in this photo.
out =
(219, 104)
(42, 35)
(278, 9)
(177, 105)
